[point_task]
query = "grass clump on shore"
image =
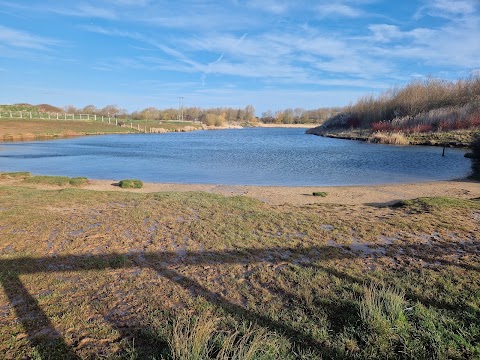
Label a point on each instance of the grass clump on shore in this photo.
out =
(319, 193)
(395, 138)
(56, 180)
(130, 184)
(15, 175)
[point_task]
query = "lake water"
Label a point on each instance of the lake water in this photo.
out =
(241, 157)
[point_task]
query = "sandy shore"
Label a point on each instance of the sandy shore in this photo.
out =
(378, 195)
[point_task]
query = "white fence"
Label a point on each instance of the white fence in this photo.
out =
(54, 116)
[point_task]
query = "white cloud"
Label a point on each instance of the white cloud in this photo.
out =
(338, 10)
(276, 7)
(22, 39)
(86, 10)
(448, 8)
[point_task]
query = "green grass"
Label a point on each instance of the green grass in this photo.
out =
(126, 275)
(130, 184)
(15, 175)
(319, 193)
(57, 180)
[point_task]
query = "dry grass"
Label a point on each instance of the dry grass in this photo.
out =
(389, 138)
(420, 106)
(163, 275)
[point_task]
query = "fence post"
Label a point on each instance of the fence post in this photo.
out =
(95, 117)
(102, 118)
(30, 114)
(131, 125)
(10, 114)
(109, 119)
(21, 115)
(138, 127)
(116, 122)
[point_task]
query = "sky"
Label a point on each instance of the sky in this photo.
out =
(272, 54)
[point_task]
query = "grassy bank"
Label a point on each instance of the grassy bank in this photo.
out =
(194, 275)
(26, 129)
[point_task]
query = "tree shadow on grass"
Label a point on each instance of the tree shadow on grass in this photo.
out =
(49, 343)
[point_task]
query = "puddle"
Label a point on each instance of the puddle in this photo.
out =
(327, 227)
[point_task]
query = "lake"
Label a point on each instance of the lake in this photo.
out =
(251, 156)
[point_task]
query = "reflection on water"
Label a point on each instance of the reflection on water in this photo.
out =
(242, 157)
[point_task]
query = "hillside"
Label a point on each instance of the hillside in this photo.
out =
(434, 110)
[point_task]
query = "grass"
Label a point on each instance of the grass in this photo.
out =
(319, 193)
(389, 138)
(56, 180)
(15, 175)
(124, 275)
(130, 184)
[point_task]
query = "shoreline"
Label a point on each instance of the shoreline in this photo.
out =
(370, 195)
(31, 136)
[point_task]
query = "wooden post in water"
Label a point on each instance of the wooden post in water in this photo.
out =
(443, 152)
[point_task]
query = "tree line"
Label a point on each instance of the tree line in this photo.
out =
(213, 116)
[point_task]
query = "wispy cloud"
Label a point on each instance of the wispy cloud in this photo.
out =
(21, 39)
(339, 9)
(272, 6)
(86, 10)
(447, 8)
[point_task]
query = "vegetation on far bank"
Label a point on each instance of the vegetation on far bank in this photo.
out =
(417, 111)
(123, 275)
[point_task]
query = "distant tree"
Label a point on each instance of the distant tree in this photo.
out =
(70, 109)
(288, 116)
(214, 119)
(109, 110)
(150, 113)
(250, 113)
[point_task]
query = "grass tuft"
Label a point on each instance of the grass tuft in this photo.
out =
(200, 338)
(131, 184)
(319, 193)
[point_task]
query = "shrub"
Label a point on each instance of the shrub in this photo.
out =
(131, 184)
(381, 126)
(319, 193)
(475, 157)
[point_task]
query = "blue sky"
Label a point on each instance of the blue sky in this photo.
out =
(273, 54)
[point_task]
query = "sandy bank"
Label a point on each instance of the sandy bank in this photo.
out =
(278, 195)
